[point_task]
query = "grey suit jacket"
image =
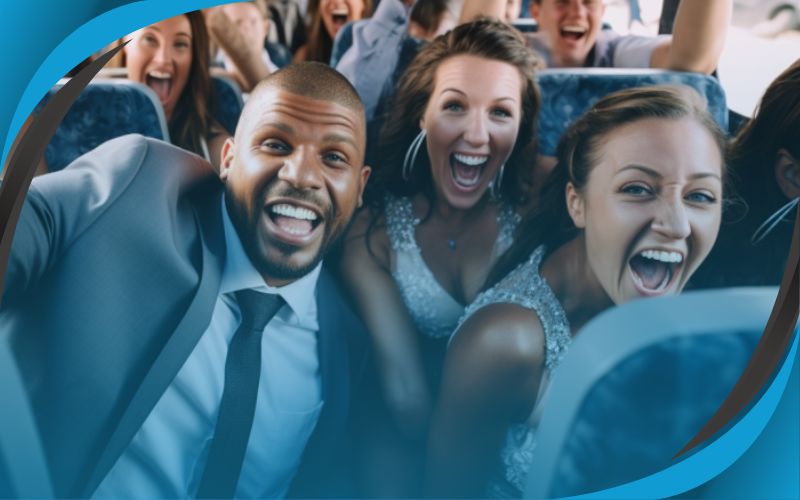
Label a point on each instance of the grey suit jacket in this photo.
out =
(112, 279)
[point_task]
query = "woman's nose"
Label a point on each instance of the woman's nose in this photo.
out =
(671, 219)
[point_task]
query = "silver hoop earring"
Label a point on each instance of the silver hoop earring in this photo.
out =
(772, 221)
(498, 180)
(411, 154)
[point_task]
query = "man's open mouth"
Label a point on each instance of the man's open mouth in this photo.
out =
(293, 220)
(654, 271)
(160, 82)
(573, 33)
(467, 170)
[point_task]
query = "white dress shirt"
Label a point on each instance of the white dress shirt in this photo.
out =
(167, 456)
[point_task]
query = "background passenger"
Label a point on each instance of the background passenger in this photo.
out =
(326, 20)
(631, 210)
(240, 29)
(172, 58)
(570, 34)
(765, 174)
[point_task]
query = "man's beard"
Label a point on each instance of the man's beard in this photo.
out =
(247, 230)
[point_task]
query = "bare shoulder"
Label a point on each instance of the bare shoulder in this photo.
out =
(508, 337)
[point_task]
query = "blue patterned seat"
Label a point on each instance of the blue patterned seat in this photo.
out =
(105, 109)
(638, 383)
(228, 102)
(568, 93)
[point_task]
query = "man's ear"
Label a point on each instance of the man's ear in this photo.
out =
(575, 206)
(227, 159)
(365, 171)
(787, 174)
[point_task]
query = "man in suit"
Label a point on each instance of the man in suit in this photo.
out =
(123, 301)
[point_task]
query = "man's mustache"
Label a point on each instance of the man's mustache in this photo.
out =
(307, 196)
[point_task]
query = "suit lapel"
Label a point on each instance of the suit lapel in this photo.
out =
(182, 341)
(333, 356)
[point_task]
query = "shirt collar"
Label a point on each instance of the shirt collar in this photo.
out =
(239, 273)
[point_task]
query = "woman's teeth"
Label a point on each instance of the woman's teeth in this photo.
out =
(653, 269)
(663, 256)
(467, 169)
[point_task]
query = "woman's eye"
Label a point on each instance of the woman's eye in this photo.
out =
(636, 190)
(502, 113)
(453, 106)
(701, 197)
(183, 44)
(149, 39)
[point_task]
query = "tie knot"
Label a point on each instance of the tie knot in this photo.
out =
(257, 308)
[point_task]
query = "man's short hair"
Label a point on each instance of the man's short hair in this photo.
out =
(313, 80)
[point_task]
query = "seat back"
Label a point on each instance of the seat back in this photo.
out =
(105, 109)
(568, 93)
(23, 469)
(229, 102)
(638, 383)
(342, 42)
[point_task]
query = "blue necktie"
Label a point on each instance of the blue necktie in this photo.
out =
(238, 405)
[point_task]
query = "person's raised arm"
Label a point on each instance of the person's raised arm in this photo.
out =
(365, 271)
(244, 54)
(698, 37)
(491, 378)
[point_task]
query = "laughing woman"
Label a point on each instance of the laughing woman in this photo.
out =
(443, 205)
(631, 210)
(172, 58)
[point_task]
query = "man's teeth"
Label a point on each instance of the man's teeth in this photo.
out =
(663, 256)
(574, 29)
(472, 161)
(294, 212)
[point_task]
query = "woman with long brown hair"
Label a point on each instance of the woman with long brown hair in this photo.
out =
(172, 58)
(442, 206)
(327, 18)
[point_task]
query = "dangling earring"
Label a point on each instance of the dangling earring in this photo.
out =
(772, 221)
(494, 189)
(411, 154)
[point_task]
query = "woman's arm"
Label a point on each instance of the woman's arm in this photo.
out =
(366, 275)
(491, 378)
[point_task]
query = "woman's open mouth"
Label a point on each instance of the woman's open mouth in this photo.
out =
(467, 170)
(161, 83)
(654, 271)
(340, 18)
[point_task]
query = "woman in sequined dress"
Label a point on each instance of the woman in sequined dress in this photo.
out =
(441, 208)
(631, 210)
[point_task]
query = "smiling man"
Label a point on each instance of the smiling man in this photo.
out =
(571, 35)
(178, 335)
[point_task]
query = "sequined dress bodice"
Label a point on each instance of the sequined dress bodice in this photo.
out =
(524, 286)
(434, 311)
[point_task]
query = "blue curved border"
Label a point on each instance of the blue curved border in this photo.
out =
(29, 31)
(86, 39)
(715, 458)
